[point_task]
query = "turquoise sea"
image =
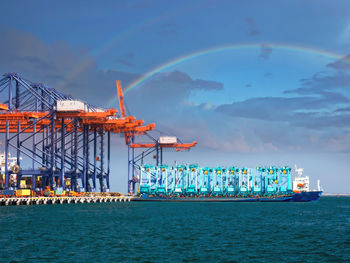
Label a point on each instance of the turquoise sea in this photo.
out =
(177, 232)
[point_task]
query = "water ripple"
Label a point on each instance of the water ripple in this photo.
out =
(177, 232)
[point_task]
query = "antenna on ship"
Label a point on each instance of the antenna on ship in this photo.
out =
(299, 171)
(318, 185)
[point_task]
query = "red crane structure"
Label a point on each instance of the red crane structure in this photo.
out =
(63, 142)
(155, 146)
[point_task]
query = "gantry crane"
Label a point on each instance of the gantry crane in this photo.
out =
(156, 145)
(53, 134)
(58, 139)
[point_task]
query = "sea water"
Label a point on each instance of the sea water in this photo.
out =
(177, 232)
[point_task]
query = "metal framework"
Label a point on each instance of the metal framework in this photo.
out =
(63, 149)
(153, 146)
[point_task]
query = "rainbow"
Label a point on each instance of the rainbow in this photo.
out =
(200, 53)
(86, 62)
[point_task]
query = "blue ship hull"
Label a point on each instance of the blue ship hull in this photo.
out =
(299, 197)
(213, 199)
(306, 196)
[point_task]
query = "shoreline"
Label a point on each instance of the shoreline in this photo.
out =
(332, 194)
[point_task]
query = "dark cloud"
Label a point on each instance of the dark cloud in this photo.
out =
(265, 51)
(267, 74)
(318, 113)
(341, 64)
(253, 29)
(347, 109)
(75, 72)
(252, 125)
(143, 5)
(162, 99)
(207, 84)
(299, 111)
(248, 86)
(126, 59)
(337, 77)
(168, 29)
(72, 71)
(185, 81)
(168, 91)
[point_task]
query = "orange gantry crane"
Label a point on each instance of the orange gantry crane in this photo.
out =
(155, 146)
(64, 143)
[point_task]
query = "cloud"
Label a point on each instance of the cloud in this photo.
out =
(253, 125)
(298, 111)
(343, 110)
(253, 29)
(168, 91)
(161, 99)
(126, 59)
(336, 76)
(265, 51)
(143, 5)
(168, 29)
(318, 110)
(341, 64)
(70, 70)
(186, 82)
(24, 52)
(345, 36)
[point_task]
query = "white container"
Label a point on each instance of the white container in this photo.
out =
(167, 140)
(70, 105)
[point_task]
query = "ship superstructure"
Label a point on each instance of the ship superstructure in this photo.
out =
(301, 183)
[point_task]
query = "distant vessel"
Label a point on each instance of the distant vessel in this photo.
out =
(187, 183)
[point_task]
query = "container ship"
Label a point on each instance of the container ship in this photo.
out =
(188, 183)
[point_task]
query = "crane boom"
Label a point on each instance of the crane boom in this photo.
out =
(121, 99)
(132, 130)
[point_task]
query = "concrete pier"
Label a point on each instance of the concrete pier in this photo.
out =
(62, 200)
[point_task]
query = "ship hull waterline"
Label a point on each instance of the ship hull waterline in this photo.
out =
(299, 197)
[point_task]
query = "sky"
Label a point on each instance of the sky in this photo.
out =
(253, 82)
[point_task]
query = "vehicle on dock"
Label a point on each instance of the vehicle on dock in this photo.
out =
(72, 194)
(23, 193)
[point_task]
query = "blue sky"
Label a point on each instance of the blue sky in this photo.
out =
(248, 106)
